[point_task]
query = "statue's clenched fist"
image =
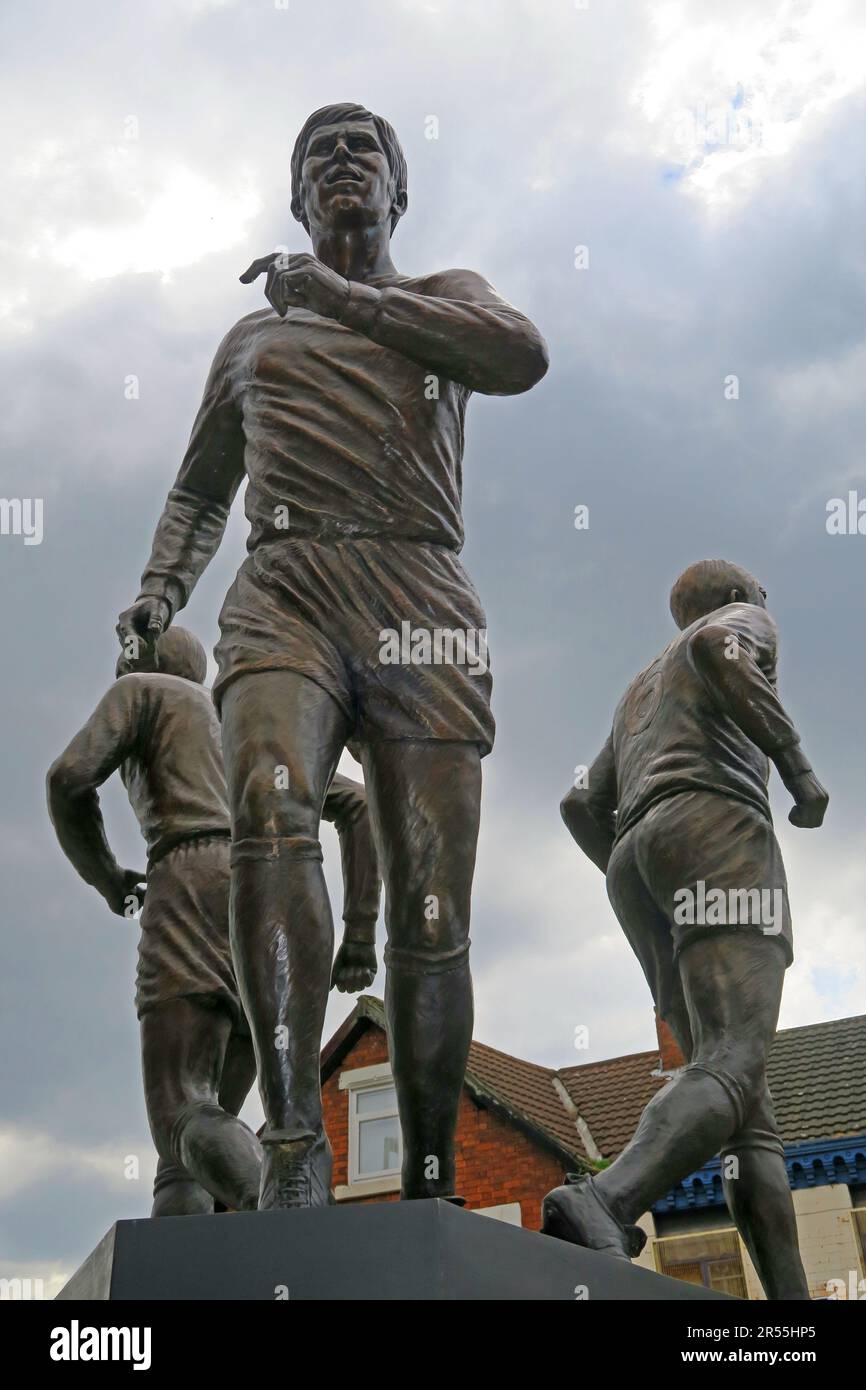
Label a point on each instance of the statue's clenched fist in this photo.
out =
(125, 893)
(810, 801)
(354, 967)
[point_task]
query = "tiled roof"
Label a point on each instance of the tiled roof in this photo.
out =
(817, 1076)
(611, 1095)
(818, 1079)
(528, 1089)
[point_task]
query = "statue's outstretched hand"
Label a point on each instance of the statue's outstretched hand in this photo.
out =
(354, 967)
(300, 281)
(810, 801)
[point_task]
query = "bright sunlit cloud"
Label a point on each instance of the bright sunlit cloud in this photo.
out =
(102, 209)
(184, 220)
(728, 88)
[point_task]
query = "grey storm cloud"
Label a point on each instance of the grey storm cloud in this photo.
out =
(542, 146)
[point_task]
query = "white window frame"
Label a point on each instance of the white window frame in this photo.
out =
(509, 1212)
(709, 1232)
(362, 1080)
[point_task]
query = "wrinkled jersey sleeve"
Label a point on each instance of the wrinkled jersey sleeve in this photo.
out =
(110, 736)
(736, 656)
(195, 515)
(463, 329)
(112, 733)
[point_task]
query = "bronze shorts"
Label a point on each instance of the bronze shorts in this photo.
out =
(686, 840)
(321, 609)
(184, 946)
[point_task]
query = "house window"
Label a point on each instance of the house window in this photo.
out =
(375, 1142)
(711, 1258)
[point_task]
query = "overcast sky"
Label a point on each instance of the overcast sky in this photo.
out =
(710, 160)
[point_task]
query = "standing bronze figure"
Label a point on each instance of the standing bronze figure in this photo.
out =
(343, 404)
(676, 814)
(157, 725)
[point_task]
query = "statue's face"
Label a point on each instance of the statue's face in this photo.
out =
(346, 178)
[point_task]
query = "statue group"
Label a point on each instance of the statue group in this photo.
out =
(342, 403)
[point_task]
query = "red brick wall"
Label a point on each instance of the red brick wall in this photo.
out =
(669, 1048)
(496, 1162)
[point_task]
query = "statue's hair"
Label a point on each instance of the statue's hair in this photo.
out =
(180, 653)
(330, 115)
(706, 586)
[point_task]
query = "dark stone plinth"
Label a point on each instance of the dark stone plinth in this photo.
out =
(388, 1250)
